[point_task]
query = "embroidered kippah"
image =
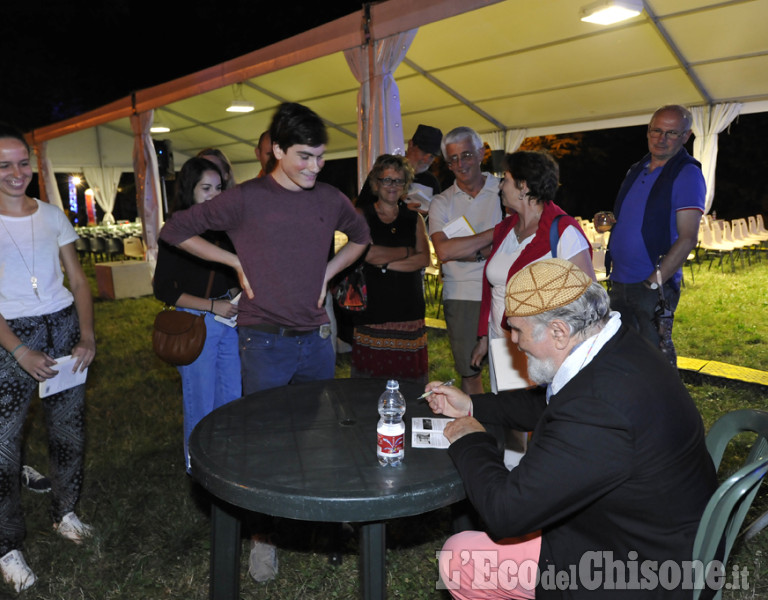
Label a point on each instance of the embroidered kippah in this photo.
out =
(543, 286)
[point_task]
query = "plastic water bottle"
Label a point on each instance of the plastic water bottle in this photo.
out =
(391, 428)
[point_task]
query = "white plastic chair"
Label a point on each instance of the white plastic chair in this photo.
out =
(133, 247)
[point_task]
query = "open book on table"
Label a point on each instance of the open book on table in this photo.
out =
(427, 432)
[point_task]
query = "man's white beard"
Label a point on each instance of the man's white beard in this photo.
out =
(541, 371)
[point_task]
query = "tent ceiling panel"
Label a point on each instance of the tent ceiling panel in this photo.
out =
(81, 149)
(720, 33)
(212, 105)
(736, 80)
(340, 109)
(510, 63)
(570, 64)
(418, 93)
(324, 76)
(446, 118)
(585, 103)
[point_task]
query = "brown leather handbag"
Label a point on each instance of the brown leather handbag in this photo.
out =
(178, 337)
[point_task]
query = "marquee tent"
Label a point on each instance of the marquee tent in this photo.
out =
(509, 69)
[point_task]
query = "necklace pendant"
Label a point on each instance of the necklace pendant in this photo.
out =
(33, 280)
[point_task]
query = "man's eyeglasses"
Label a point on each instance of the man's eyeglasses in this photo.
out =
(389, 182)
(464, 156)
(670, 135)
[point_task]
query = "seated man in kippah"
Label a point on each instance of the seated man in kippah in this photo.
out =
(616, 475)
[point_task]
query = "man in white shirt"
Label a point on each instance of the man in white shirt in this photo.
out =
(461, 222)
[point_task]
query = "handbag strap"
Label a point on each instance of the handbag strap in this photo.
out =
(554, 236)
(210, 284)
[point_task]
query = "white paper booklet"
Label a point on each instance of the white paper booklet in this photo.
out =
(231, 321)
(65, 378)
(459, 227)
(428, 432)
(510, 366)
(421, 194)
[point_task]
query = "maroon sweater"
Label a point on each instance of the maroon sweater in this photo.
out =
(283, 239)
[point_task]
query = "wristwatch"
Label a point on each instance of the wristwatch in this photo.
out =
(653, 285)
(479, 256)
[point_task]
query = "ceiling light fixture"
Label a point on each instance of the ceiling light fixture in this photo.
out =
(240, 106)
(607, 12)
(159, 128)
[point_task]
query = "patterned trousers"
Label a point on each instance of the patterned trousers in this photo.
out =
(54, 334)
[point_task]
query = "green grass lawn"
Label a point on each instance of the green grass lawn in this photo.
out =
(152, 537)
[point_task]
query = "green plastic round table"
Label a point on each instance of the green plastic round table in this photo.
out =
(308, 452)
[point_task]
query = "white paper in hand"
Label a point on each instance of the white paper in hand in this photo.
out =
(230, 321)
(65, 378)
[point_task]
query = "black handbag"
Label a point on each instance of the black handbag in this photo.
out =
(351, 292)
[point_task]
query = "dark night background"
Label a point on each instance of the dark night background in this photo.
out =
(63, 59)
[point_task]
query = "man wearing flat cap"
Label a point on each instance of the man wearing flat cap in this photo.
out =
(616, 476)
(422, 149)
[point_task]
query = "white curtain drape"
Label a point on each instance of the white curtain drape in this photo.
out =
(148, 196)
(503, 142)
(508, 140)
(378, 101)
(495, 139)
(47, 176)
(708, 122)
(104, 182)
(515, 138)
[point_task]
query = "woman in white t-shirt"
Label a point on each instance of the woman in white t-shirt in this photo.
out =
(40, 320)
(528, 190)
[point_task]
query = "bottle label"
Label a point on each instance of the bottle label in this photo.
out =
(390, 444)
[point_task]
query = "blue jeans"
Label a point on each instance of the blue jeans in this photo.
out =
(270, 360)
(213, 379)
(637, 305)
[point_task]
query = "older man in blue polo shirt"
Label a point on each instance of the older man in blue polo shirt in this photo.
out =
(657, 210)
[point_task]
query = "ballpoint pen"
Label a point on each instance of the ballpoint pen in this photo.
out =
(429, 393)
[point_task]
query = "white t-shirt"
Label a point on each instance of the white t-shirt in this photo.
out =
(51, 230)
(462, 280)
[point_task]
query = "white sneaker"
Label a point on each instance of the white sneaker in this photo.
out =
(262, 563)
(34, 481)
(16, 571)
(73, 529)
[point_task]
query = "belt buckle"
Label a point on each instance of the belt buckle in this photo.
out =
(325, 331)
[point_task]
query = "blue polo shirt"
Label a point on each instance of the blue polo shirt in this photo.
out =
(631, 263)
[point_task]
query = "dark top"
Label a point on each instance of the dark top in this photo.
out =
(394, 295)
(617, 463)
(179, 272)
(367, 197)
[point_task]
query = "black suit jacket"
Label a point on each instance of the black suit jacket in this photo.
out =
(617, 464)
